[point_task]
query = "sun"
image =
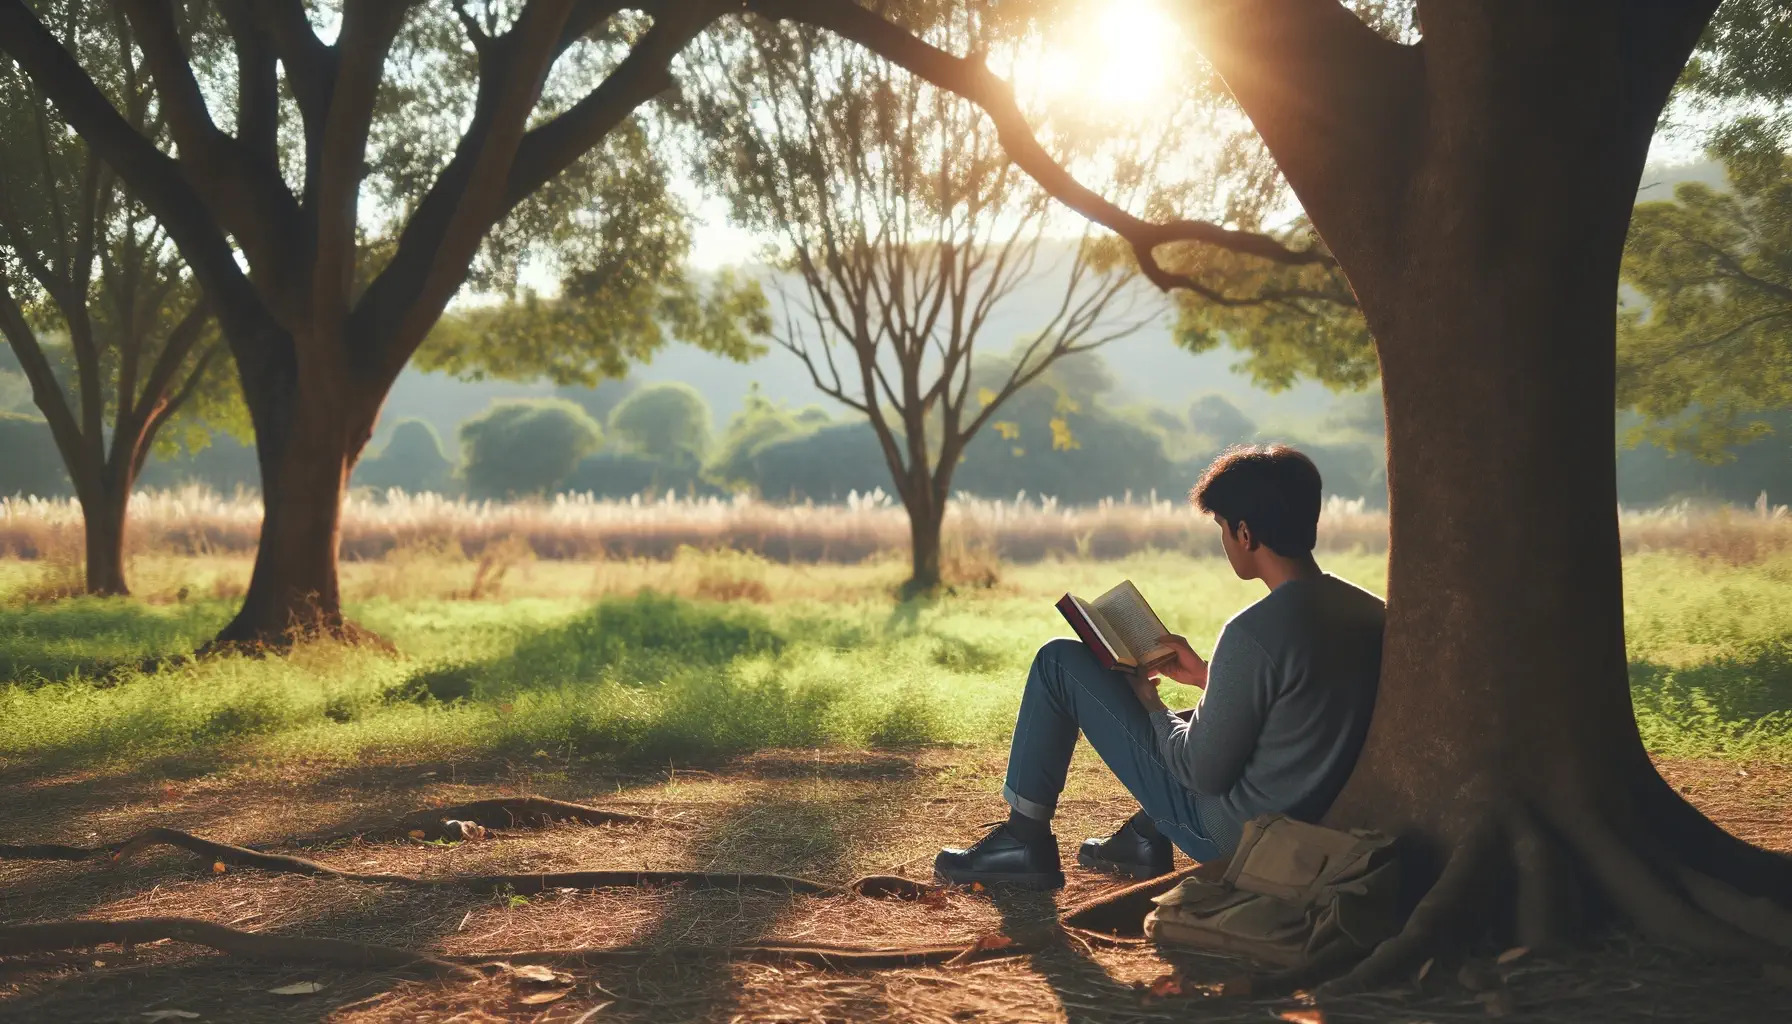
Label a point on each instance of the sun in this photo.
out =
(1110, 55)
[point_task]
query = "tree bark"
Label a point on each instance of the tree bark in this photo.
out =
(924, 521)
(104, 502)
(307, 440)
(1483, 244)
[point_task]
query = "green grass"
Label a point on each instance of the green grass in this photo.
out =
(831, 659)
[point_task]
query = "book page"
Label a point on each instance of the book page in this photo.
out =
(1125, 613)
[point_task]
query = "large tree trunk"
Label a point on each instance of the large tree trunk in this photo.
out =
(103, 508)
(306, 441)
(1504, 749)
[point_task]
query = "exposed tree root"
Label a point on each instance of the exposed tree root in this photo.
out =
(871, 885)
(1548, 904)
(55, 936)
(1649, 898)
(241, 639)
(1757, 916)
(812, 954)
(1519, 878)
(1122, 912)
(1706, 847)
(498, 813)
(1437, 924)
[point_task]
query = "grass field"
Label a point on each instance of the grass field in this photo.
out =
(715, 654)
(764, 717)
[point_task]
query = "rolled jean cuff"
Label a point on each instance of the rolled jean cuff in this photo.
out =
(1030, 808)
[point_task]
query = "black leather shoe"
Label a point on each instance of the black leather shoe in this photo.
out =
(1127, 852)
(1000, 856)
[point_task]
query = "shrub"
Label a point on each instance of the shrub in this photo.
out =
(759, 423)
(411, 461)
(668, 422)
(518, 448)
(822, 465)
(1219, 421)
(29, 462)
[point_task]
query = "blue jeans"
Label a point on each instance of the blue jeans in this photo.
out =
(1067, 691)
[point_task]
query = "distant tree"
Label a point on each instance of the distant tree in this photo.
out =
(759, 423)
(411, 461)
(895, 205)
(32, 466)
(669, 422)
(599, 399)
(1709, 350)
(107, 325)
(1219, 421)
(521, 448)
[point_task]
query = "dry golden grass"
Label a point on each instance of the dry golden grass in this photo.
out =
(979, 533)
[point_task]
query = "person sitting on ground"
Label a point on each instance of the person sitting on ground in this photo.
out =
(1287, 703)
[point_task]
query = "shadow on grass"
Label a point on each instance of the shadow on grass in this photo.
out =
(1738, 705)
(652, 678)
(92, 637)
(774, 829)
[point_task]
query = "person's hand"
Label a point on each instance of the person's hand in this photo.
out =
(1144, 687)
(1188, 668)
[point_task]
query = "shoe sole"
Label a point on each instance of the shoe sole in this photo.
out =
(1137, 872)
(1034, 881)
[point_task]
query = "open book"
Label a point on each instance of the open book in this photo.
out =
(1119, 627)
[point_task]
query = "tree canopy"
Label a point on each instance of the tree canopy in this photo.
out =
(1709, 349)
(669, 422)
(517, 449)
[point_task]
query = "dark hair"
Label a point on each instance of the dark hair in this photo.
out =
(1272, 487)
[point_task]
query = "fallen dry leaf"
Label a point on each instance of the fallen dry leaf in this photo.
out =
(415, 833)
(540, 975)
(976, 886)
(298, 988)
(169, 1015)
(1515, 953)
(1164, 986)
(218, 867)
(1303, 1015)
(546, 995)
(1497, 1003)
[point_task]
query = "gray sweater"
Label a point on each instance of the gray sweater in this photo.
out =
(1290, 688)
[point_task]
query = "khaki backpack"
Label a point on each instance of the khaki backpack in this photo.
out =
(1292, 894)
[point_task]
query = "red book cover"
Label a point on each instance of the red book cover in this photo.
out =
(1085, 631)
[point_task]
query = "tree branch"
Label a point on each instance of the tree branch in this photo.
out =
(154, 178)
(552, 147)
(368, 30)
(970, 78)
(498, 164)
(246, 194)
(257, 84)
(165, 411)
(309, 65)
(46, 392)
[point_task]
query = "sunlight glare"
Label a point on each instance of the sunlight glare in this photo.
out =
(1111, 54)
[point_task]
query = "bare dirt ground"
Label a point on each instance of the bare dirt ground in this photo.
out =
(829, 816)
